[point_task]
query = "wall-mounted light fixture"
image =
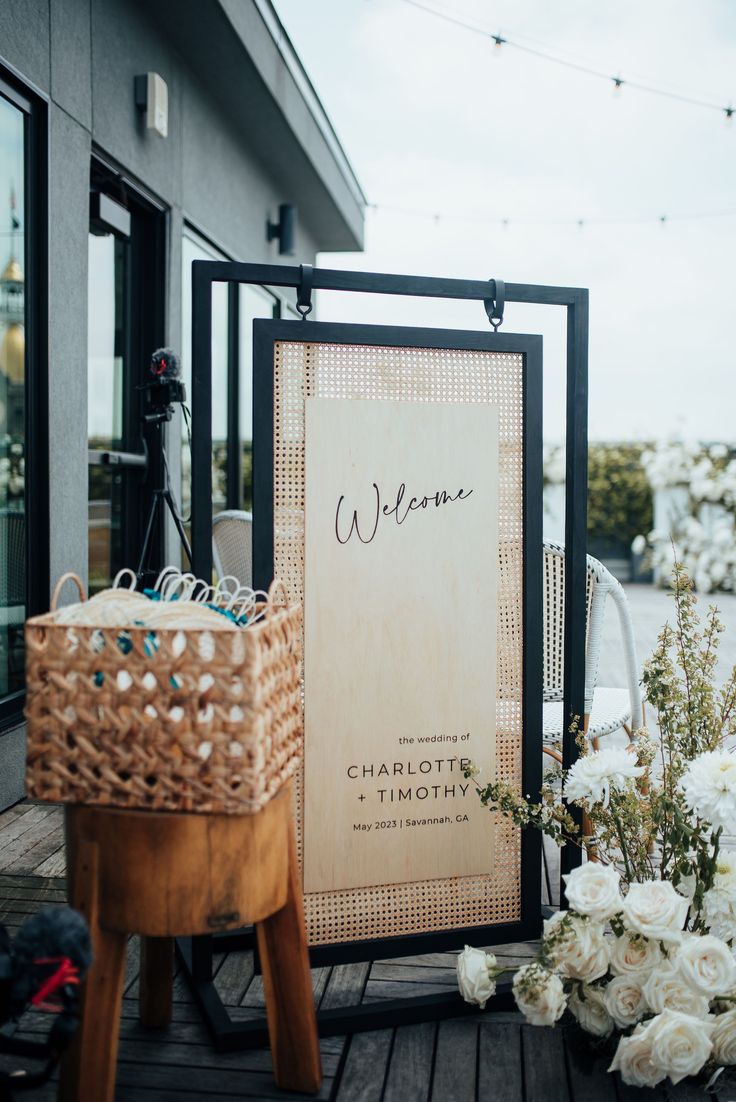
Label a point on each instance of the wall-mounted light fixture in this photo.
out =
(284, 231)
(152, 96)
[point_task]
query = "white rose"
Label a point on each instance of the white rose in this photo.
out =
(680, 1043)
(724, 1038)
(655, 910)
(593, 890)
(579, 949)
(625, 1001)
(633, 1060)
(590, 1009)
(475, 978)
(719, 902)
(707, 965)
(539, 995)
(666, 990)
(634, 955)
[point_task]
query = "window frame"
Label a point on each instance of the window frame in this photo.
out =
(36, 451)
(233, 458)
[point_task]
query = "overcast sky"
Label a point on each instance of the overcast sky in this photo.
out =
(436, 119)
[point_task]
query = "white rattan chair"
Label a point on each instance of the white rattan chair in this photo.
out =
(606, 709)
(232, 545)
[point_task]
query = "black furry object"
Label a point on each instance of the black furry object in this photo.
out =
(165, 364)
(55, 932)
(43, 943)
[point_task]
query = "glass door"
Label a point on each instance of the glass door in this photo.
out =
(125, 325)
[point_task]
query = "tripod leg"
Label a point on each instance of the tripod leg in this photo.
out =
(177, 521)
(149, 531)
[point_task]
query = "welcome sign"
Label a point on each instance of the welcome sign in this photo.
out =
(397, 494)
(400, 583)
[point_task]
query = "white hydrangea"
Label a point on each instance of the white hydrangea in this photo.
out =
(719, 902)
(709, 788)
(593, 776)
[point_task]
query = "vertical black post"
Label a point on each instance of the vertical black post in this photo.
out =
(234, 477)
(201, 420)
(576, 521)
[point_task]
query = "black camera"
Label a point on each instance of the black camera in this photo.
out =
(166, 388)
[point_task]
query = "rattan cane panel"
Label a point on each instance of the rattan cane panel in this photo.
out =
(303, 370)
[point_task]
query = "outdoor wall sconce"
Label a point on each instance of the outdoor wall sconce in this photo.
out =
(152, 96)
(284, 230)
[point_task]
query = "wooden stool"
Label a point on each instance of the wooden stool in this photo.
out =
(164, 875)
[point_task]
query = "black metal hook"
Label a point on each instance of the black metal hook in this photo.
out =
(495, 304)
(304, 290)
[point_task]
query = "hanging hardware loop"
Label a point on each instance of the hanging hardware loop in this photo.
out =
(495, 304)
(304, 290)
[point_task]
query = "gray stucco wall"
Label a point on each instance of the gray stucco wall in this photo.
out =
(211, 170)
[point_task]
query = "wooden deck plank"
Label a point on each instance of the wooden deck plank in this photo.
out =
(254, 996)
(499, 1060)
(376, 990)
(455, 1061)
(407, 973)
(543, 1063)
(35, 845)
(365, 1067)
(54, 865)
(410, 1065)
(345, 986)
(233, 977)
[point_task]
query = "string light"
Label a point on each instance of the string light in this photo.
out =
(437, 217)
(556, 59)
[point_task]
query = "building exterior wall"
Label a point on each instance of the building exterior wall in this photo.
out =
(211, 172)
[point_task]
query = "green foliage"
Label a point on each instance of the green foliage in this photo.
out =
(619, 495)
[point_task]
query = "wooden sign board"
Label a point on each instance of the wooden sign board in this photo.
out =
(401, 562)
(397, 489)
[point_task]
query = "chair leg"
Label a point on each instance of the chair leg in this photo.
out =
(156, 981)
(287, 983)
(89, 1065)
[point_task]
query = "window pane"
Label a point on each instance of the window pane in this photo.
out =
(105, 372)
(193, 249)
(254, 303)
(12, 397)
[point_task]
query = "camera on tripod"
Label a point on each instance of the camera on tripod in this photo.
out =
(163, 392)
(166, 388)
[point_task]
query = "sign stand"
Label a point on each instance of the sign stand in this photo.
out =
(196, 953)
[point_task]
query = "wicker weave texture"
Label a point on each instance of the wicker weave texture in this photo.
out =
(203, 721)
(304, 370)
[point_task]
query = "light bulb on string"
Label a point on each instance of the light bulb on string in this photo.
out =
(498, 40)
(618, 84)
(663, 219)
(728, 114)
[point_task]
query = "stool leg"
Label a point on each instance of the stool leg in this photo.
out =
(88, 1067)
(156, 982)
(287, 983)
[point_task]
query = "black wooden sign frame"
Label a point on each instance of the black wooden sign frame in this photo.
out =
(196, 953)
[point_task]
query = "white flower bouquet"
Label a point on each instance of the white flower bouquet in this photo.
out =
(644, 956)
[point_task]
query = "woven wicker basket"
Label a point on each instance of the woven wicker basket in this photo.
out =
(166, 720)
